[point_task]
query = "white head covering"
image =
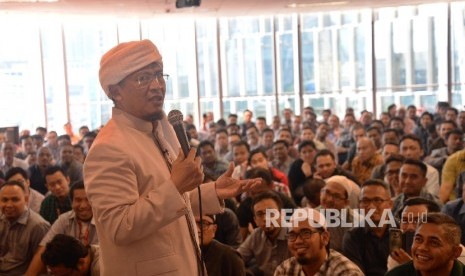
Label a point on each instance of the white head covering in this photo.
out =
(124, 59)
(342, 180)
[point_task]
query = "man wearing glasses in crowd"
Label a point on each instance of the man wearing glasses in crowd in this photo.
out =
(308, 240)
(368, 245)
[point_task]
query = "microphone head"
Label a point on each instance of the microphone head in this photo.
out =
(175, 117)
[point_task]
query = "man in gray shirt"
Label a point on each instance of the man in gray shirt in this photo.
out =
(266, 245)
(21, 229)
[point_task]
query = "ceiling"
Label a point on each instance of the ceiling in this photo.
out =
(145, 8)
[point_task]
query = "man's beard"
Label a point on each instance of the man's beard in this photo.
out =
(157, 116)
(303, 260)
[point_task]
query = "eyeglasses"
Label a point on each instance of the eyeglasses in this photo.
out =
(205, 224)
(304, 235)
(333, 195)
(146, 79)
(376, 201)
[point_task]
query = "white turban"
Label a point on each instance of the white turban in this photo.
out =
(341, 180)
(124, 59)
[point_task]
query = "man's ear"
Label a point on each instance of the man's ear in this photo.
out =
(457, 251)
(114, 92)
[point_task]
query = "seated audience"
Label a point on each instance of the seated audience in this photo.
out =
(266, 247)
(21, 229)
(301, 169)
(65, 255)
(435, 248)
(309, 242)
(220, 259)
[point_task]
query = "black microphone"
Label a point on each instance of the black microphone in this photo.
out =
(175, 118)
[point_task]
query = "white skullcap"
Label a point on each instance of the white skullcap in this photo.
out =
(124, 59)
(313, 216)
(342, 180)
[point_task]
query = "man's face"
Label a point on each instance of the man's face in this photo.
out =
(385, 119)
(296, 123)
(252, 136)
(325, 115)
(44, 157)
(454, 142)
(311, 249)
(286, 136)
(391, 174)
(83, 131)
(57, 184)
(193, 133)
(411, 112)
(258, 160)
(375, 198)
(325, 166)
(9, 152)
(333, 196)
(388, 150)
(232, 120)
(268, 138)
(81, 205)
(444, 129)
(348, 122)
(410, 217)
(397, 124)
(365, 149)
(411, 180)
(208, 154)
(280, 151)
(261, 125)
(26, 145)
(411, 149)
(259, 215)
(431, 251)
(322, 131)
(18, 177)
(307, 154)
(88, 142)
(333, 122)
(276, 122)
(358, 133)
(451, 116)
(66, 154)
(247, 116)
(143, 102)
(209, 229)
(461, 120)
(425, 121)
(240, 154)
(307, 135)
(78, 155)
(12, 202)
(52, 138)
(389, 136)
(222, 140)
(374, 136)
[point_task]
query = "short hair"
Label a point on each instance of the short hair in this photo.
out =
(267, 195)
(83, 127)
(431, 206)
(257, 151)
(64, 137)
(77, 146)
(267, 129)
(451, 228)
(417, 163)
(411, 137)
(311, 188)
(284, 129)
(190, 126)
(281, 141)
(232, 115)
(399, 119)
(261, 118)
(411, 106)
(377, 129)
(391, 106)
(305, 144)
(13, 183)
(426, 113)
(252, 126)
(221, 130)
(24, 137)
(325, 152)
(453, 109)
(37, 137)
(376, 182)
(260, 173)
(205, 143)
(394, 158)
(53, 169)
(65, 250)
(90, 134)
(454, 131)
(78, 185)
(241, 143)
(327, 111)
(454, 124)
(41, 129)
(16, 170)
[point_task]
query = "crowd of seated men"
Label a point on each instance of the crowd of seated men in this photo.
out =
(401, 173)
